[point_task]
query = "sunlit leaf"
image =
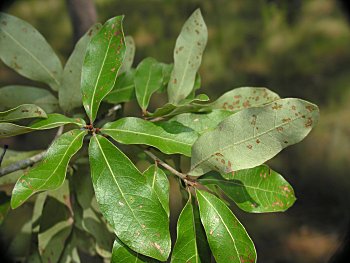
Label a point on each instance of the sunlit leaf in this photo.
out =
(52, 121)
(185, 249)
(148, 79)
(25, 50)
(50, 173)
(188, 52)
(227, 238)
(69, 93)
(170, 138)
(15, 95)
(256, 190)
(25, 111)
(127, 201)
(159, 183)
(124, 88)
(252, 136)
(129, 54)
(245, 97)
(103, 58)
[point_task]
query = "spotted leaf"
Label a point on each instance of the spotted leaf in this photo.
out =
(252, 136)
(103, 58)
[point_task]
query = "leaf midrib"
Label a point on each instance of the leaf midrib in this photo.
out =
(115, 180)
(233, 240)
(147, 134)
(35, 58)
(98, 78)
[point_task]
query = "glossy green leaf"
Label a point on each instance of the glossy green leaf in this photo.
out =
(169, 138)
(25, 111)
(185, 249)
(103, 58)
(255, 190)
(148, 79)
(189, 48)
(69, 93)
(245, 97)
(56, 224)
(15, 95)
(228, 239)
(202, 122)
(124, 89)
(252, 136)
(121, 253)
(50, 173)
(129, 54)
(187, 105)
(25, 50)
(127, 201)
(52, 121)
(159, 183)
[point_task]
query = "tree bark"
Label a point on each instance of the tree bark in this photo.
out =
(83, 16)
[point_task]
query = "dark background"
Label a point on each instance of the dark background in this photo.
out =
(295, 48)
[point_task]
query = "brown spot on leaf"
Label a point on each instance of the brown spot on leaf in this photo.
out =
(249, 146)
(309, 108)
(25, 110)
(257, 141)
(280, 129)
(246, 104)
(308, 122)
(277, 106)
(286, 120)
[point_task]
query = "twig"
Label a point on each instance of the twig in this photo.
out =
(22, 164)
(184, 177)
(3, 153)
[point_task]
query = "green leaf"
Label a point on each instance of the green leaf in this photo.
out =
(15, 95)
(170, 138)
(245, 97)
(124, 89)
(148, 79)
(159, 183)
(52, 121)
(196, 86)
(25, 50)
(122, 192)
(129, 54)
(189, 48)
(255, 190)
(121, 253)
(185, 249)
(103, 58)
(202, 122)
(228, 240)
(252, 136)
(187, 105)
(25, 111)
(50, 173)
(70, 94)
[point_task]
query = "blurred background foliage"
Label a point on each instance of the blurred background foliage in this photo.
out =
(295, 48)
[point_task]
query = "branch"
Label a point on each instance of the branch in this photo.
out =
(182, 176)
(22, 164)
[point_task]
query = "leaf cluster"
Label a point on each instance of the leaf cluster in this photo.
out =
(226, 142)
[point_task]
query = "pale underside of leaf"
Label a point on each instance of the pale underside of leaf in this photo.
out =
(187, 57)
(25, 111)
(252, 136)
(24, 49)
